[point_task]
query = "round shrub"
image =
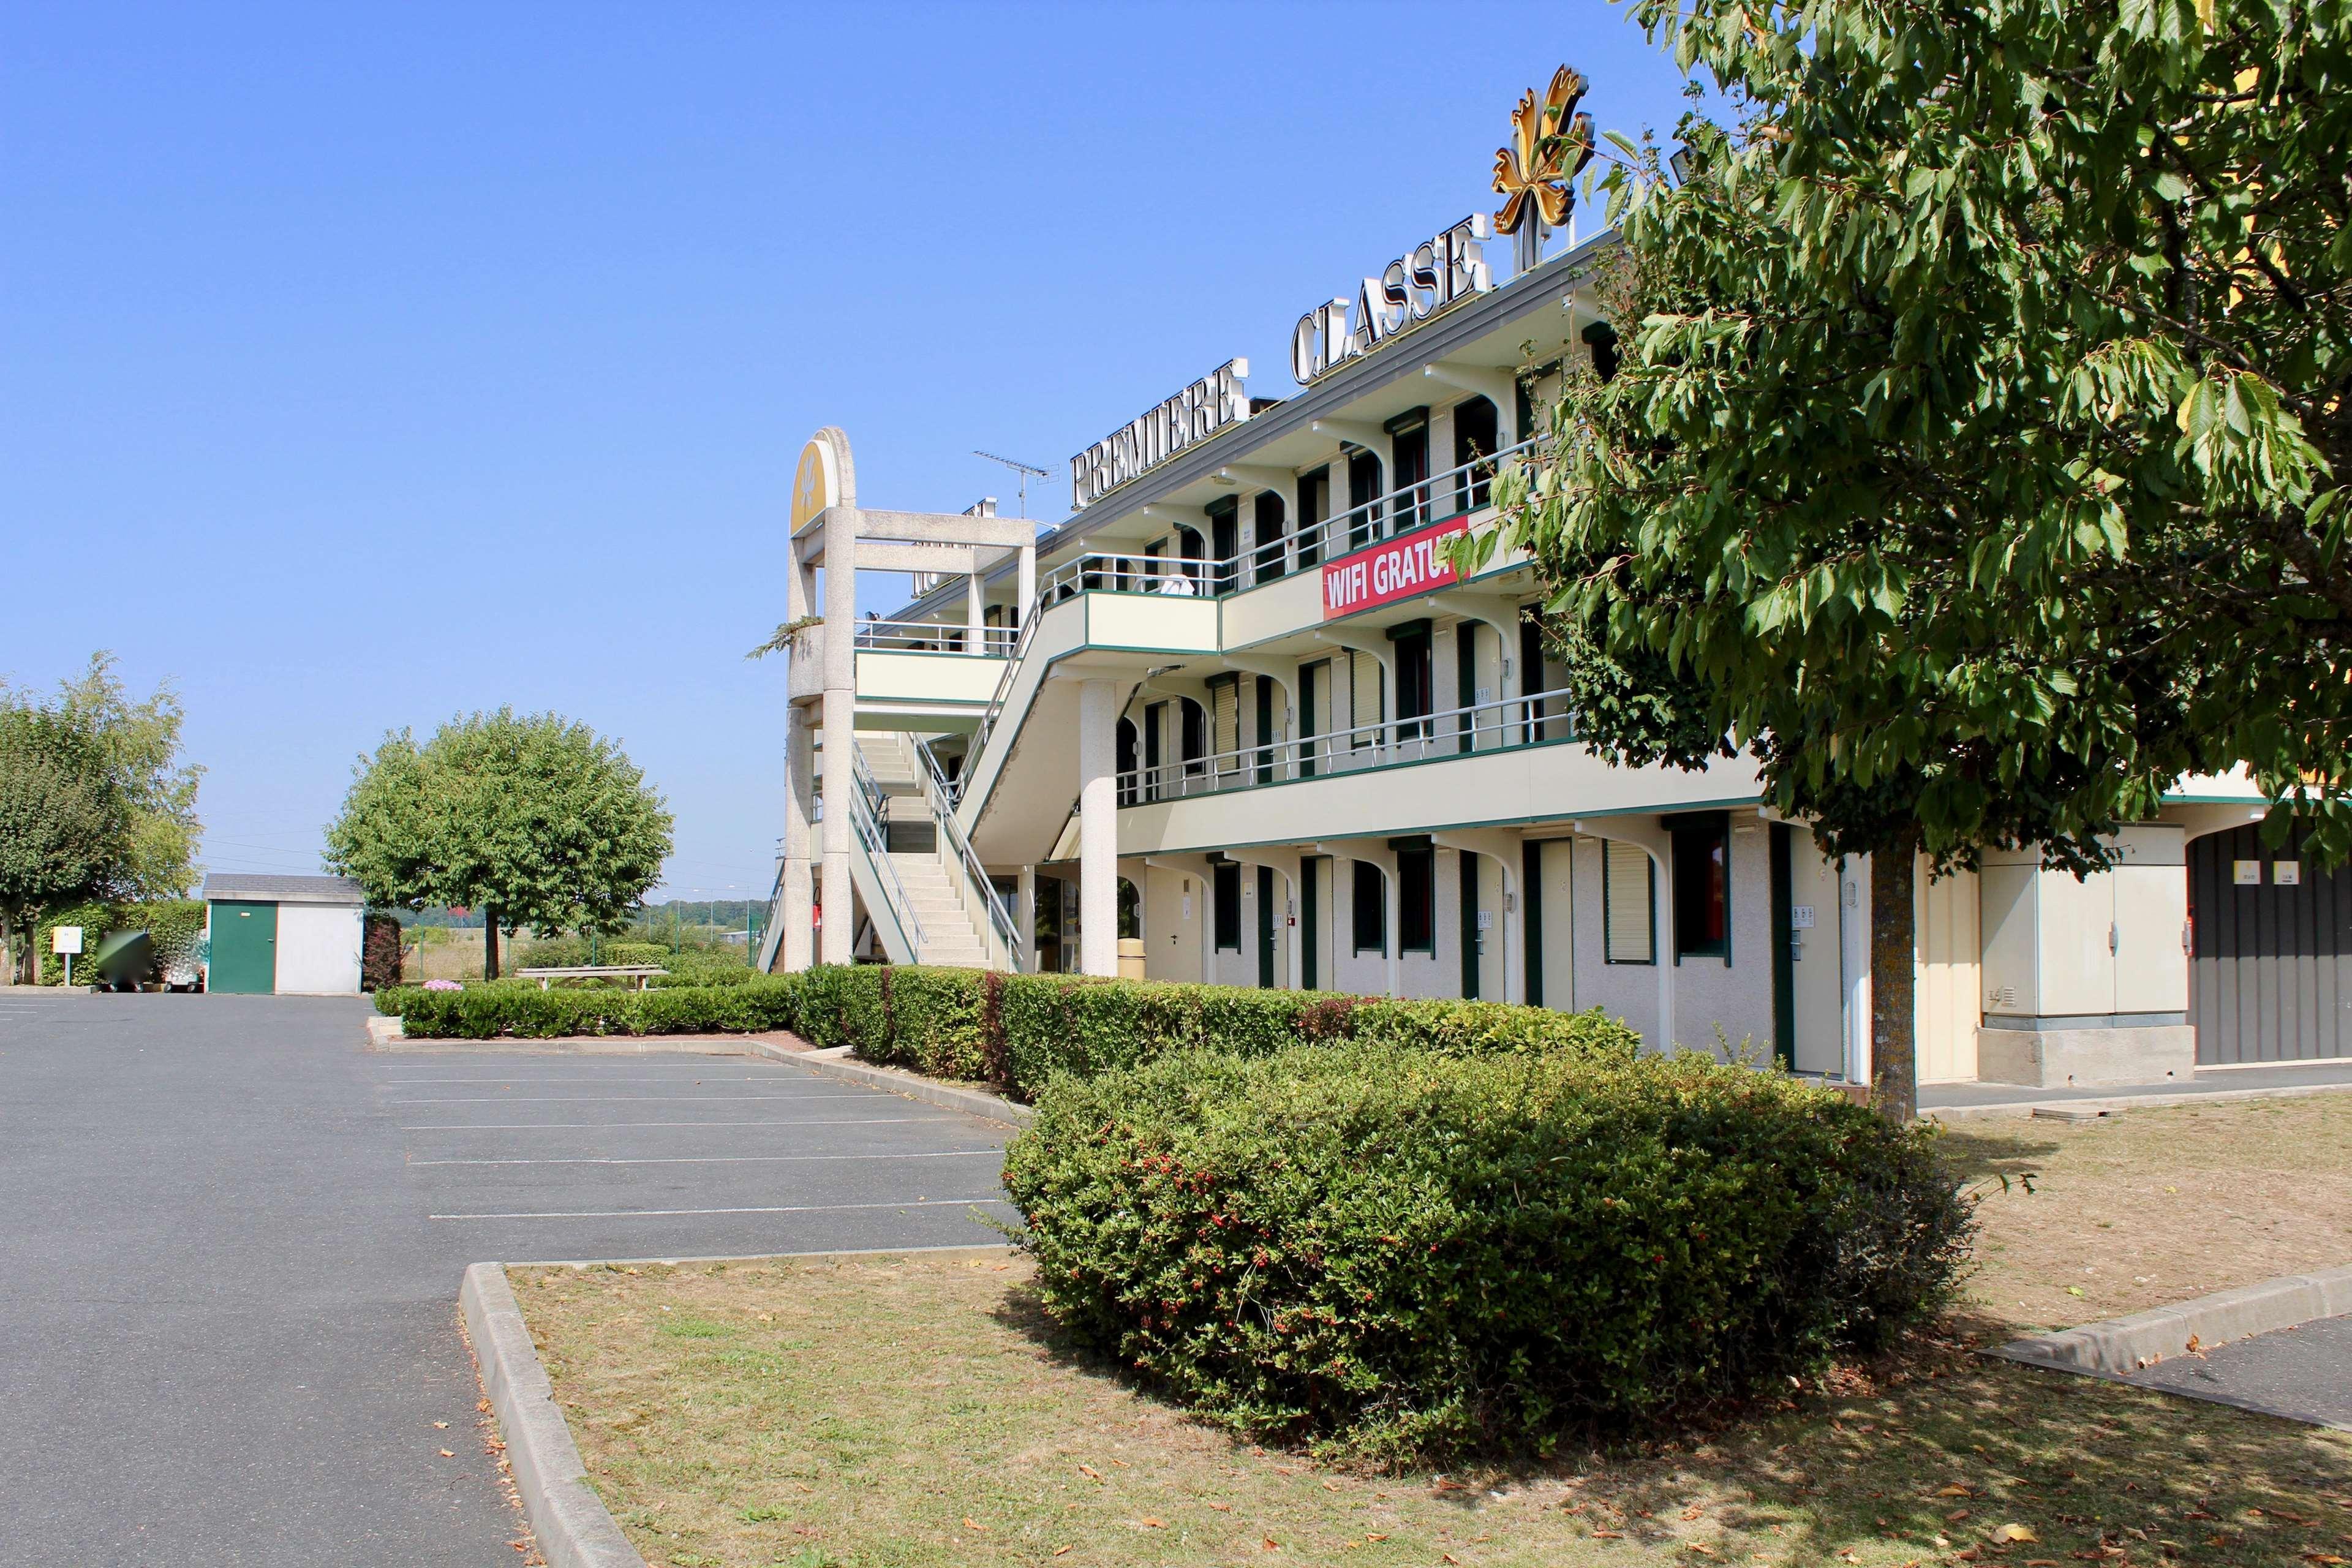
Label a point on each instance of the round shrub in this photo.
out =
(1405, 1255)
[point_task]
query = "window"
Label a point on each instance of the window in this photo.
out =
(1155, 722)
(1224, 726)
(1311, 677)
(1363, 499)
(1476, 435)
(1629, 894)
(1601, 339)
(1314, 508)
(1416, 680)
(1262, 737)
(1266, 527)
(1195, 744)
(1702, 884)
(1409, 444)
(1131, 910)
(1188, 548)
(1417, 899)
(1371, 907)
(1129, 793)
(1228, 883)
(1367, 697)
(1224, 542)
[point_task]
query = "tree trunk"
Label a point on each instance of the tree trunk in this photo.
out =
(1894, 1013)
(489, 943)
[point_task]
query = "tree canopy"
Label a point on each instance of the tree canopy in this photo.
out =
(95, 803)
(1974, 449)
(537, 821)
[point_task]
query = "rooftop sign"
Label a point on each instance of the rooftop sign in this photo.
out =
(1136, 447)
(1447, 266)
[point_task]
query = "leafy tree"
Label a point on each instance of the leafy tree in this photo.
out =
(95, 803)
(1974, 447)
(535, 820)
(141, 744)
(63, 822)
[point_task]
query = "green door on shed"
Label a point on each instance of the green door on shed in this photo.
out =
(244, 949)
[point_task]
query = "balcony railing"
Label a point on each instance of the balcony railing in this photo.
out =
(934, 636)
(1459, 492)
(1507, 723)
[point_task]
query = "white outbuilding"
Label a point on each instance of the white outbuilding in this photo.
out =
(288, 935)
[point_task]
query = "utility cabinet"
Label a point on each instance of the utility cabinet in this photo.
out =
(2086, 981)
(2107, 946)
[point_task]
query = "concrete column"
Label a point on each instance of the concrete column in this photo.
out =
(1025, 918)
(840, 656)
(972, 613)
(1097, 828)
(1026, 584)
(795, 949)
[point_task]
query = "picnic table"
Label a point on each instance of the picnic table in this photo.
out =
(640, 972)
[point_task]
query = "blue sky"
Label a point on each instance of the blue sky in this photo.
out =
(359, 367)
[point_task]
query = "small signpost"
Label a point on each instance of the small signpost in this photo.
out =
(65, 942)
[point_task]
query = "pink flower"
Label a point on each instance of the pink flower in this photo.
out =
(443, 985)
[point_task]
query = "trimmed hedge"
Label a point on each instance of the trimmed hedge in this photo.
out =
(524, 1011)
(1019, 1031)
(1016, 1031)
(1402, 1256)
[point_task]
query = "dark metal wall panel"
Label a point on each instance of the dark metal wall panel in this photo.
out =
(2271, 979)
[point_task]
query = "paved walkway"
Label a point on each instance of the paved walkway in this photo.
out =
(1983, 1099)
(2303, 1374)
(233, 1240)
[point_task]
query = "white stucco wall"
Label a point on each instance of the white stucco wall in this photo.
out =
(319, 949)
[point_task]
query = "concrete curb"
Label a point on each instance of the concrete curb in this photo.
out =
(2081, 1109)
(2121, 1346)
(574, 1528)
(913, 1085)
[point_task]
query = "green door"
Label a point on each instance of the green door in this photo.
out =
(244, 949)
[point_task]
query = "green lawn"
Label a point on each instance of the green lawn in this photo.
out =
(911, 1411)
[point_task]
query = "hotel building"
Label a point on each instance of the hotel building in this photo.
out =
(1235, 719)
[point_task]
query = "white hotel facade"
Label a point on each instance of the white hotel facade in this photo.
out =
(1236, 721)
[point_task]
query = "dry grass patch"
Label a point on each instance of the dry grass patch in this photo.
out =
(890, 1413)
(2156, 1206)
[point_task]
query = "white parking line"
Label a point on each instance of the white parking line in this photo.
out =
(730, 1159)
(672, 1214)
(576, 1126)
(847, 1092)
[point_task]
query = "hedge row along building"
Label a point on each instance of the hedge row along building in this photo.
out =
(1236, 720)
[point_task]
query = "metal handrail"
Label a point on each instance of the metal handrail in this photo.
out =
(1452, 732)
(940, 799)
(932, 637)
(877, 839)
(862, 775)
(1004, 688)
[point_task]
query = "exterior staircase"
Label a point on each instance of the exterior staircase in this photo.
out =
(942, 929)
(929, 902)
(948, 935)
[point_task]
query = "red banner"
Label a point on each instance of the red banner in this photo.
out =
(1392, 570)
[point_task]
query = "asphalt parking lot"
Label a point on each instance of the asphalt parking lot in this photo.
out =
(229, 1270)
(2303, 1374)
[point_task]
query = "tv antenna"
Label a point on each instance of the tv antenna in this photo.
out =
(1025, 470)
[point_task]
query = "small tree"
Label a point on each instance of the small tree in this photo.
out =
(1974, 454)
(539, 822)
(63, 822)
